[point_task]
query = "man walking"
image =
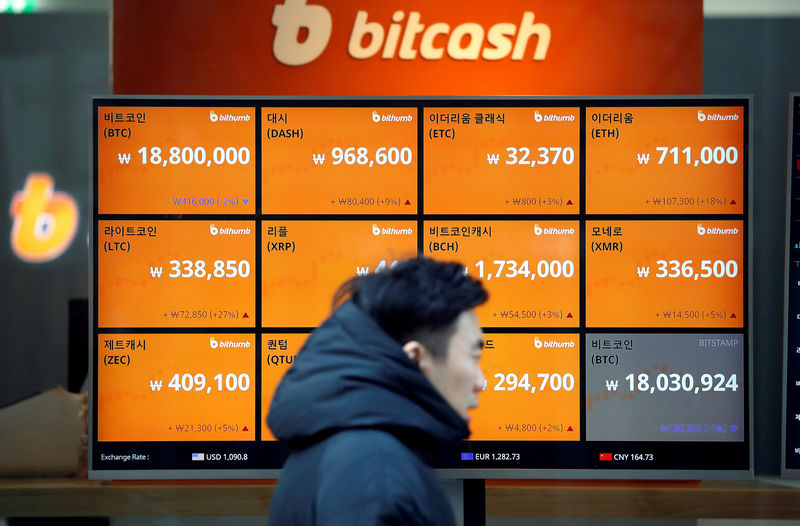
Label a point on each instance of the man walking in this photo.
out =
(377, 392)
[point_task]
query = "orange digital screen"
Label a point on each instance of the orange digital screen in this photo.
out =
(532, 389)
(530, 268)
(157, 160)
(502, 160)
(665, 160)
(176, 387)
(304, 262)
(278, 352)
(612, 237)
(176, 273)
(664, 274)
(339, 160)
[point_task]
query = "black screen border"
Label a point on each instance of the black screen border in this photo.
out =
(698, 459)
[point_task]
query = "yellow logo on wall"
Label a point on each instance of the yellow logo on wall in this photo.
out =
(44, 221)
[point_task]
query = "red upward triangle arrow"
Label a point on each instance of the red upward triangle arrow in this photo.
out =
(569, 202)
(733, 201)
(408, 202)
(245, 315)
(569, 315)
(245, 428)
(733, 315)
(570, 428)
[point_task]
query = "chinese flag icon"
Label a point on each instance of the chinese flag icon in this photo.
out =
(605, 456)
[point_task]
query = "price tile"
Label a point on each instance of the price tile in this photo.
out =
(502, 160)
(530, 268)
(665, 387)
(176, 274)
(305, 262)
(669, 160)
(161, 160)
(176, 387)
(664, 274)
(532, 389)
(339, 160)
(278, 351)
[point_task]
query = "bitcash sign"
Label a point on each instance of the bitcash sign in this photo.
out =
(466, 41)
(406, 47)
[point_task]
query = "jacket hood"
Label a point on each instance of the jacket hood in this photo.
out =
(350, 374)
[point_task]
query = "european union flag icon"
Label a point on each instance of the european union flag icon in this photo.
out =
(467, 456)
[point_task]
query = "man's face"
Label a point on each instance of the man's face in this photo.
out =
(458, 376)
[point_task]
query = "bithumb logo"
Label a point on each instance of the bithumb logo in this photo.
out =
(552, 344)
(702, 117)
(552, 231)
(377, 231)
(716, 231)
(466, 41)
(228, 231)
(552, 117)
(227, 117)
(227, 344)
(377, 117)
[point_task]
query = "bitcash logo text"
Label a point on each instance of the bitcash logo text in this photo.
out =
(303, 32)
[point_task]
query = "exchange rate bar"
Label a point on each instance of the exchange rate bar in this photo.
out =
(278, 351)
(304, 262)
(176, 387)
(157, 160)
(531, 269)
(665, 387)
(502, 160)
(664, 274)
(532, 389)
(339, 160)
(176, 273)
(669, 160)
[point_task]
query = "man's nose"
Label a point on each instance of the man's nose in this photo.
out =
(480, 381)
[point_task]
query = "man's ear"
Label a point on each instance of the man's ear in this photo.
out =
(413, 350)
(418, 353)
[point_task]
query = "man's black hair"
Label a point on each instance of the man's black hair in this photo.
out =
(416, 299)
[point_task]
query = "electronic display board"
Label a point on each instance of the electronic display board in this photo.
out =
(612, 235)
(790, 452)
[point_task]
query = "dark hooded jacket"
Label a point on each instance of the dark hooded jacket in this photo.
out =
(364, 425)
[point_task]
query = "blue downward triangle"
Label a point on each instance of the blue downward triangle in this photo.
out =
(734, 428)
(245, 201)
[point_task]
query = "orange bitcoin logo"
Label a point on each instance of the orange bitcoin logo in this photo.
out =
(44, 221)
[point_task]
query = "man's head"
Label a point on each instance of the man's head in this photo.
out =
(427, 307)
